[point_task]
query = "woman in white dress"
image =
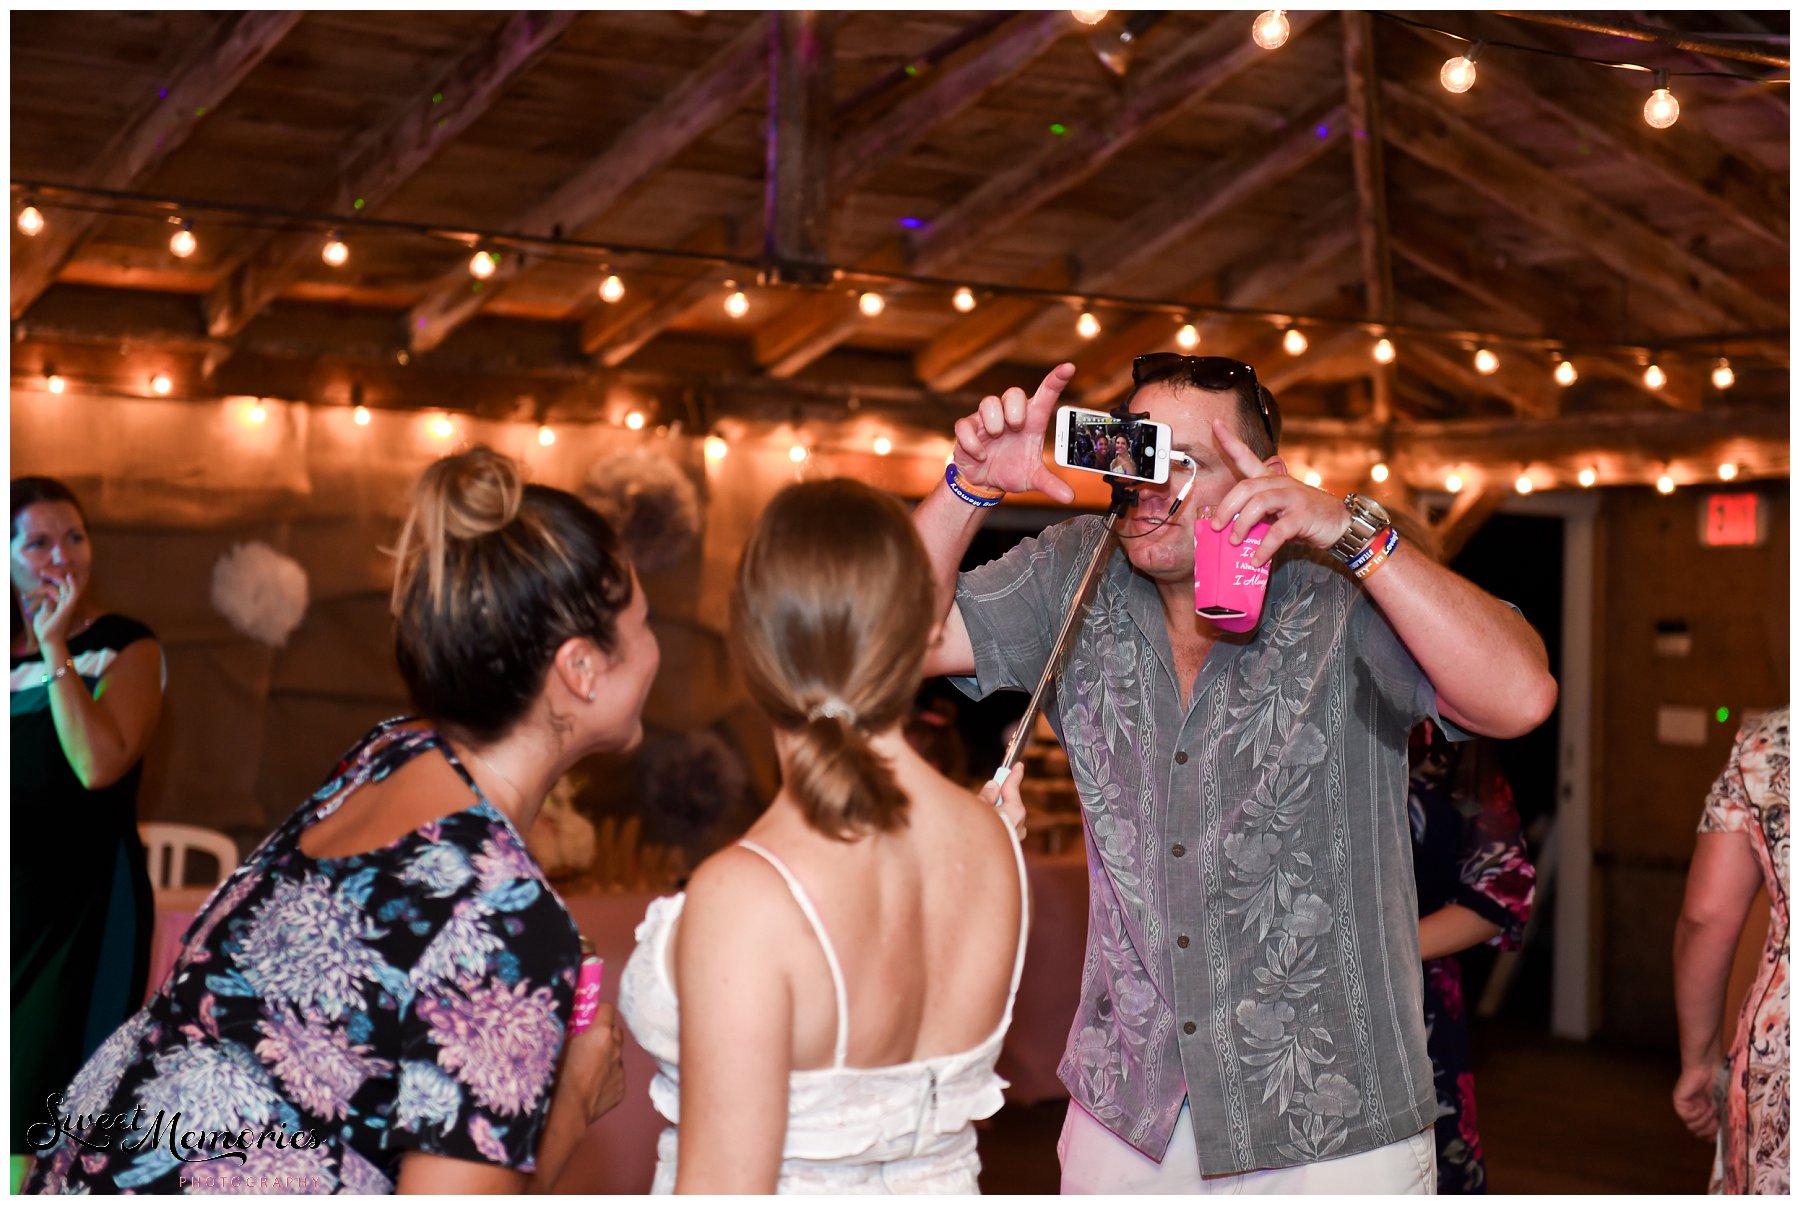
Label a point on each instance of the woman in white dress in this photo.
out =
(845, 974)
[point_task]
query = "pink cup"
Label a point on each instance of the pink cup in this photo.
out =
(1228, 589)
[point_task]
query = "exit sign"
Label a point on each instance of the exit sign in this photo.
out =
(1732, 520)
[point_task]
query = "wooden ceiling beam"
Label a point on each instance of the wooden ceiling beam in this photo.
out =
(1196, 69)
(386, 159)
(1629, 247)
(1340, 357)
(612, 333)
(1473, 507)
(217, 65)
(1462, 378)
(706, 97)
(1363, 100)
(797, 179)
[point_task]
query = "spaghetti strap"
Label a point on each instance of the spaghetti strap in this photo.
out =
(1024, 917)
(841, 1049)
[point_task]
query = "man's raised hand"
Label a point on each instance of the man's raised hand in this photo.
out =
(1001, 445)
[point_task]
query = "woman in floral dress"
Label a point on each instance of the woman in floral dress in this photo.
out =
(1743, 845)
(377, 999)
(1475, 885)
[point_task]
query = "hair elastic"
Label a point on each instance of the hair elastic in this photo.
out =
(834, 707)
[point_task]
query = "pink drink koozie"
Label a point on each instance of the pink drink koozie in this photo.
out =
(587, 988)
(1228, 589)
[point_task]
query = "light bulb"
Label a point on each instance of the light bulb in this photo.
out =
(716, 447)
(1293, 342)
(797, 454)
(1379, 473)
(611, 289)
(482, 265)
(1188, 337)
(871, 303)
(1486, 362)
(883, 445)
(1587, 477)
(963, 300)
(635, 420)
(160, 383)
(546, 436)
(1087, 326)
(1384, 351)
(1457, 74)
(183, 243)
(1454, 483)
(737, 305)
(1665, 484)
(1523, 484)
(1313, 479)
(442, 427)
(31, 221)
(1662, 110)
(1270, 30)
(1655, 377)
(1722, 376)
(335, 252)
(1728, 472)
(1565, 373)
(258, 414)
(54, 383)
(1089, 16)
(361, 416)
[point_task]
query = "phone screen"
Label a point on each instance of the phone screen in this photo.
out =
(1122, 447)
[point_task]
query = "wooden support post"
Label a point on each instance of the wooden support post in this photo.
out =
(797, 179)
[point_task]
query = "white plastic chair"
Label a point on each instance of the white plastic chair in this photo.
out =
(167, 846)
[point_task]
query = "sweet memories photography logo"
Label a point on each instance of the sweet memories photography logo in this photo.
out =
(139, 1130)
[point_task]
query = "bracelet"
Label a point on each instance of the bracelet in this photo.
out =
(1376, 558)
(974, 495)
(62, 671)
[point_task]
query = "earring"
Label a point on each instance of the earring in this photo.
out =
(593, 696)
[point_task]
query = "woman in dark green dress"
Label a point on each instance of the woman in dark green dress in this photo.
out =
(86, 695)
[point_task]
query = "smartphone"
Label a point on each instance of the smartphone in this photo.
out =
(1095, 441)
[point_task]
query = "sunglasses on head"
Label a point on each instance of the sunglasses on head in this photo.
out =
(1205, 372)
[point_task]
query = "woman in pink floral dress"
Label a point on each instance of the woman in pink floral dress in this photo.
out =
(1743, 845)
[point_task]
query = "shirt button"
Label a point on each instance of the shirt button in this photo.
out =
(1178, 849)
(1182, 941)
(1181, 757)
(1188, 1028)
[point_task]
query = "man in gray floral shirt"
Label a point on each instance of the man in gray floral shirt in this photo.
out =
(1251, 1015)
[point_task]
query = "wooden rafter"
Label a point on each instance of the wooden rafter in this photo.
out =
(1343, 356)
(230, 51)
(1462, 378)
(1363, 102)
(705, 98)
(1201, 65)
(386, 159)
(1629, 247)
(1472, 508)
(797, 182)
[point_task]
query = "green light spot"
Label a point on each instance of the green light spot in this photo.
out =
(1058, 128)
(437, 98)
(359, 203)
(442, 122)
(1723, 714)
(475, 286)
(912, 69)
(200, 112)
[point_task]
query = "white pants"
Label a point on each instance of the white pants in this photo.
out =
(1095, 1160)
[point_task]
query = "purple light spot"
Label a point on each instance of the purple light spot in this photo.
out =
(912, 223)
(162, 94)
(1322, 130)
(420, 324)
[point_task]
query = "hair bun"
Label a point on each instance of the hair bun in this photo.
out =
(479, 492)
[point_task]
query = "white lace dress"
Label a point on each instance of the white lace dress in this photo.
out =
(906, 1128)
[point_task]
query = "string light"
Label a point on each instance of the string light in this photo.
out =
(1458, 74)
(1722, 376)
(360, 416)
(1454, 483)
(1655, 377)
(1665, 484)
(883, 445)
(611, 289)
(963, 299)
(546, 436)
(1728, 472)
(1379, 473)
(482, 265)
(797, 454)
(183, 243)
(1087, 326)
(1188, 337)
(1486, 362)
(160, 384)
(635, 420)
(54, 383)
(1587, 477)
(1662, 110)
(871, 304)
(1313, 479)
(335, 252)
(442, 427)
(1270, 29)
(31, 221)
(1524, 484)
(1293, 342)
(737, 305)
(716, 447)
(1384, 351)
(1565, 373)
(257, 414)
(1089, 16)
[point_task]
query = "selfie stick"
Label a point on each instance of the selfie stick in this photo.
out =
(1124, 494)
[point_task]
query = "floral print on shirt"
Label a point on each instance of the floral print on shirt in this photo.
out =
(410, 998)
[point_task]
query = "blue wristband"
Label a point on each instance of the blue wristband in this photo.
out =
(960, 492)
